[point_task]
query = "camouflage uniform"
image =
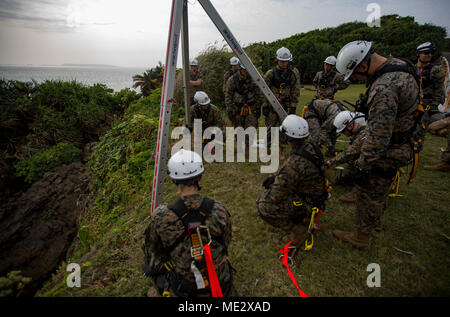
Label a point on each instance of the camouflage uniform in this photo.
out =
(243, 101)
(350, 154)
(211, 117)
(392, 101)
(285, 85)
(229, 73)
(433, 93)
(162, 244)
(194, 76)
(297, 180)
(327, 84)
(320, 115)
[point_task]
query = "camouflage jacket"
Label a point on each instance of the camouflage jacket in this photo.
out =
(353, 151)
(392, 100)
(211, 117)
(285, 85)
(297, 179)
(165, 229)
(195, 76)
(327, 84)
(226, 76)
(432, 85)
(241, 91)
(320, 116)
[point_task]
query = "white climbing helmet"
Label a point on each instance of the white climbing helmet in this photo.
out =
(234, 61)
(185, 165)
(283, 54)
(331, 60)
(295, 127)
(350, 56)
(344, 118)
(202, 98)
(427, 46)
(194, 62)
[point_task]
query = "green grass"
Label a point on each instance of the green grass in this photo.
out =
(418, 223)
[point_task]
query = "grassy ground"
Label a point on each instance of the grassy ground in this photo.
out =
(417, 222)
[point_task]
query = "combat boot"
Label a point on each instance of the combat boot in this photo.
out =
(442, 167)
(349, 198)
(358, 239)
(299, 235)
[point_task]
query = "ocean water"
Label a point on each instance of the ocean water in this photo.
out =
(115, 78)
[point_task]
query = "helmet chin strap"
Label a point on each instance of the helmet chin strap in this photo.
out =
(368, 58)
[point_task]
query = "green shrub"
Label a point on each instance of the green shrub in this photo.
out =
(36, 166)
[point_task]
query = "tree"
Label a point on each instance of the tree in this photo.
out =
(149, 80)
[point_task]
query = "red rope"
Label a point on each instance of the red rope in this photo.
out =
(285, 252)
(216, 291)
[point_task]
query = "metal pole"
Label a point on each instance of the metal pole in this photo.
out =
(166, 103)
(185, 52)
(237, 49)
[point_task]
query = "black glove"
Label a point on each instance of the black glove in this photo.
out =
(230, 115)
(268, 181)
(266, 111)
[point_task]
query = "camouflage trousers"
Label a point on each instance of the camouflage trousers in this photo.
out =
(245, 122)
(320, 135)
(280, 215)
(371, 200)
(168, 285)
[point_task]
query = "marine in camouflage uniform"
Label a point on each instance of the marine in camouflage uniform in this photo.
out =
(243, 100)
(289, 196)
(350, 154)
(432, 77)
(320, 115)
(211, 116)
(195, 76)
(392, 101)
(235, 66)
(285, 85)
(167, 243)
(328, 83)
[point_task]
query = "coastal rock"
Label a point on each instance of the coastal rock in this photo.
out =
(38, 225)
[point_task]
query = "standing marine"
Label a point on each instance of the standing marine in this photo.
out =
(391, 105)
(328, 81)
(284, 81)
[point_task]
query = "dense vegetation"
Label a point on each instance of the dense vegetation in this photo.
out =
(36, 117)
(397, 35)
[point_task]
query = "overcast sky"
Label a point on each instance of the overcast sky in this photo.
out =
(133, 33)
